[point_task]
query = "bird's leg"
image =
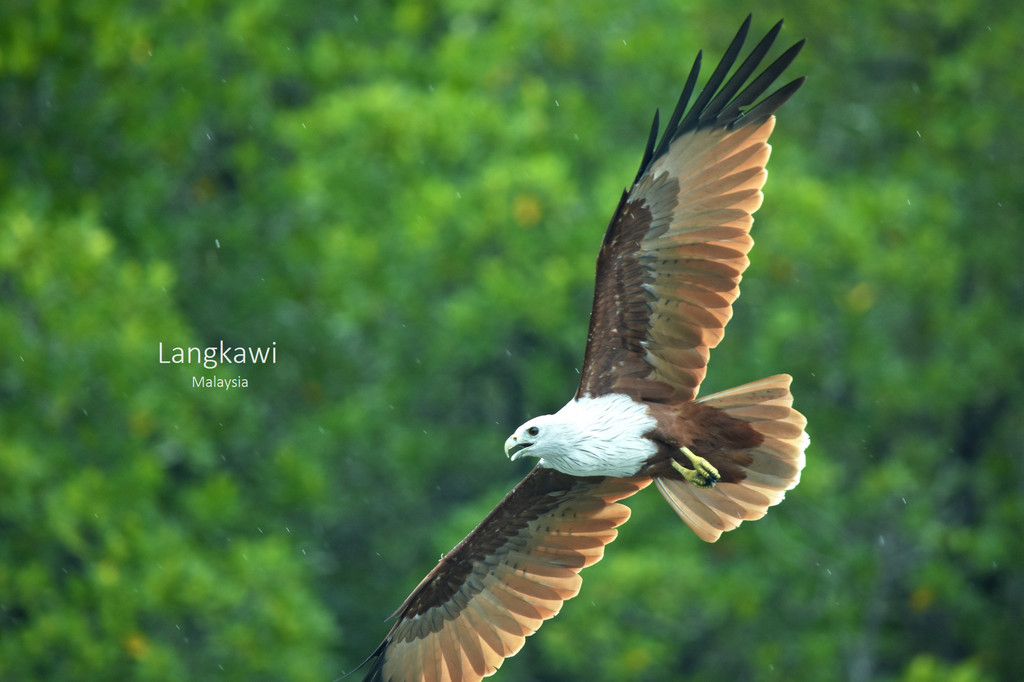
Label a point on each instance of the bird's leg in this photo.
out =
(702, 475)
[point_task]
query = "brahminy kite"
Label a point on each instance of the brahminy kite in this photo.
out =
(667, 274)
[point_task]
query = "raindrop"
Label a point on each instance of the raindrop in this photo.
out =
(217, 242)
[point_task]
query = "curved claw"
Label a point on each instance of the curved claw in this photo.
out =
(702, 475)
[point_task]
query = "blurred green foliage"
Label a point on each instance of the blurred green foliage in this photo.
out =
(407, 197)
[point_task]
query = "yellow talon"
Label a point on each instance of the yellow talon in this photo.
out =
(702, 475)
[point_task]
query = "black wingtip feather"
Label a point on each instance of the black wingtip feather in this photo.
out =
(677, 113)
(728, 92)
(731, 114)
(649, 149)
(731, 105)
(692, 119)
(769, 105)
(376, 671)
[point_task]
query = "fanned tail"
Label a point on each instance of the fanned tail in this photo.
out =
(767, 406)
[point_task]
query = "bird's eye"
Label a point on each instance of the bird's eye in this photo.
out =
(533, 430)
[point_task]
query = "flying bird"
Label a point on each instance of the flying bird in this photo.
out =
(667, 274)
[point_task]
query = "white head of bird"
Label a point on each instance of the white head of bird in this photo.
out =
(601, 436)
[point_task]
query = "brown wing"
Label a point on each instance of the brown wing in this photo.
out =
(671, 261)
(478, 605)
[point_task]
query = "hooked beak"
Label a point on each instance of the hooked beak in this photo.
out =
(513, 448)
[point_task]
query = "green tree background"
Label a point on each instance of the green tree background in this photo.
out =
(407, 198)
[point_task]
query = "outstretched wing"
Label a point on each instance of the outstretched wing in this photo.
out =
(478, 605)
(672, 258)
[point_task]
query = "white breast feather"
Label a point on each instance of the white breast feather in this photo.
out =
(601, 436)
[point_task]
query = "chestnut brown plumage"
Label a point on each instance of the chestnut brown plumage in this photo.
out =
(668, 273)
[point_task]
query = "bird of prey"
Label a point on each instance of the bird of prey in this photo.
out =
(667, 274)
